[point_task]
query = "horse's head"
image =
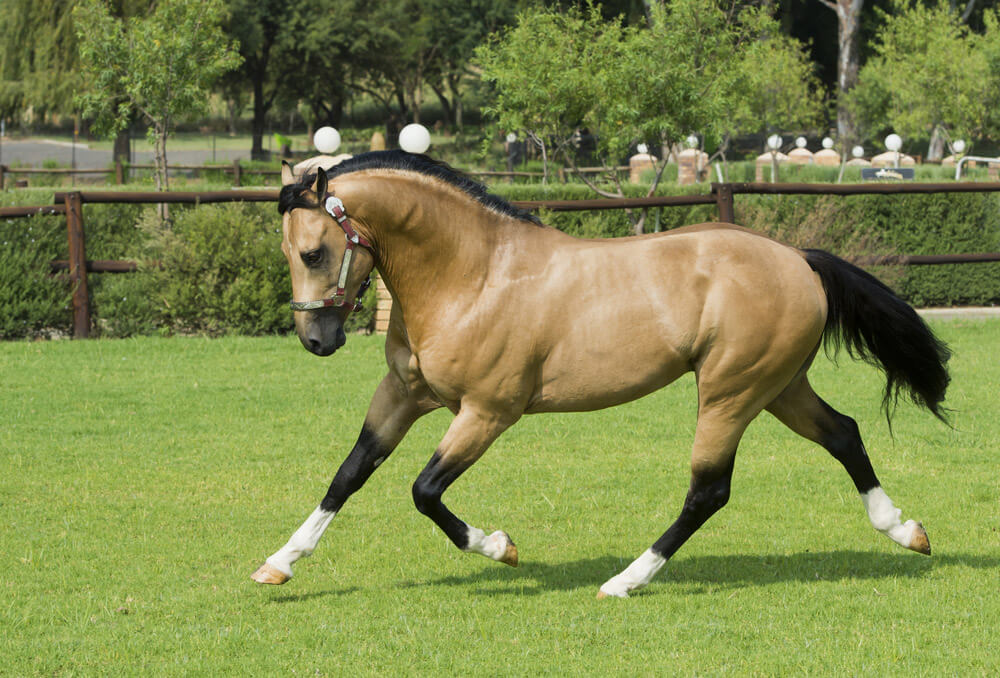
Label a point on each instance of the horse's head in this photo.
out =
(330, 263)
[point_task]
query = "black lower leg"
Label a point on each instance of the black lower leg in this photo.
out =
(427, 491)
(841, 438)
(364, 458)
(708, 493)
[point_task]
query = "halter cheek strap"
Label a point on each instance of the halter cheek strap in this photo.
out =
(335, 207)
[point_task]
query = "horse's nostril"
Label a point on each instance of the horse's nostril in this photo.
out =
(314, 345)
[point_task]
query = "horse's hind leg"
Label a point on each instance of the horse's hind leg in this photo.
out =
(799, 408)
(716, 438)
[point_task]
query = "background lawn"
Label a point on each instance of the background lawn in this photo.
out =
(143, 481)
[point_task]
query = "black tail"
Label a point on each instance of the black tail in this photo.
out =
(878, 327)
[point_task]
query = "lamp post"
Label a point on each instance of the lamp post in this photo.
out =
(893, 142)
(774, 143)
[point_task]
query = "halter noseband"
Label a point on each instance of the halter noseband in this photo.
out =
(335, 207)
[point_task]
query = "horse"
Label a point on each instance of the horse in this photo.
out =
(496, 315)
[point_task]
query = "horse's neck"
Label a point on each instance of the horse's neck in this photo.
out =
(429, 236)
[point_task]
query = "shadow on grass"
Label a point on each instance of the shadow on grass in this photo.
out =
(699, 574)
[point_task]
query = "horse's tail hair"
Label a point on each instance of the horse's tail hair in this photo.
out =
(876, 326)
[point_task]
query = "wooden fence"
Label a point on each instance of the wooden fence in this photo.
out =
(722, 195)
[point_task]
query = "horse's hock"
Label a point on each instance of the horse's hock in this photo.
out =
(383, 306)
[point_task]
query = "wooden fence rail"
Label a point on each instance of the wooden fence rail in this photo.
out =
(722, 195)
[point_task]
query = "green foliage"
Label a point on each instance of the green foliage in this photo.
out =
(912, 224)
(930, 71)
(779, 89)
(162, 65)
(38, 58)
(32, 303)
(223, 270)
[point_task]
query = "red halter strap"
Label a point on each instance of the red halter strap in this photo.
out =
(335, 207)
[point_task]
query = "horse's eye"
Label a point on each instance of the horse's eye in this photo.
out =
(312, 257)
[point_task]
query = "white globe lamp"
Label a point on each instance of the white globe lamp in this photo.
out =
(326, 140)
(774, 142)
(827, 142)
(414, 138)
(642, 148)
(893, 142)
(858, 152)
(800, 142)
(692, 141)
(511, 137)
(958, 145)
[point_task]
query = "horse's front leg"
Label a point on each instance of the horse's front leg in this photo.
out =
(470, 434)
(393, 410)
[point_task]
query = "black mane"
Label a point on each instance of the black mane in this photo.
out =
(291, 196)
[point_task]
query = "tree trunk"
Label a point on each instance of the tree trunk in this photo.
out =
(446, 107)
(122, 149)
(848, 23)
(935, 149)
(260, 108)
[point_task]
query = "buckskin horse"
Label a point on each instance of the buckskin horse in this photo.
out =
(496, 316)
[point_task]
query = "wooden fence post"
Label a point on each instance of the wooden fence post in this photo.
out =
(78, 266)
(724, 201)
(236, 172)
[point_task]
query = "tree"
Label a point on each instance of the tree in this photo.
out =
(931, 76)
(848, 60)
(554, 73)
(161, 65)
(37, 57)
(261, 29)
(778, 89)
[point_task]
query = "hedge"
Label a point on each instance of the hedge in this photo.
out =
(223, 271)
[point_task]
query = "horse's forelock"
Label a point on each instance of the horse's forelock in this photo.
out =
(291, 196)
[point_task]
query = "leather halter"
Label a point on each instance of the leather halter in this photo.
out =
(335, 208)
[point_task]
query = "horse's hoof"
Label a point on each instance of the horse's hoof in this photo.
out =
(602, 594)
(919, 541)
(267, 574)
(509, 556)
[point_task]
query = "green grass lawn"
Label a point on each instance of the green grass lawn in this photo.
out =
(143, 481)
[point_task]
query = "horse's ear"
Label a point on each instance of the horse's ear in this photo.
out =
(287, 175)
(321, 182)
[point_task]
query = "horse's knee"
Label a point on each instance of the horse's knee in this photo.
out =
(425, 497)
(704, 499)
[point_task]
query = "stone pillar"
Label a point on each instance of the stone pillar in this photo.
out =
(827, 158)
(639, 163)
(800, 156)
(383, 306)
(692, 165)
(888, 159)
(762, 166)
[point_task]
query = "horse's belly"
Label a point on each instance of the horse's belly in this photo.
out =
(593, 382)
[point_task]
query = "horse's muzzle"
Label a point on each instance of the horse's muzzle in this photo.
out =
(323, 334)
